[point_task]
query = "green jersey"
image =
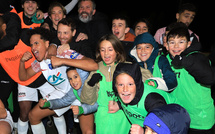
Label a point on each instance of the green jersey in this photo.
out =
(195, 98)
(137, 113)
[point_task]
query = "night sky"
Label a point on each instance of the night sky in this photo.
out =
(159, 13)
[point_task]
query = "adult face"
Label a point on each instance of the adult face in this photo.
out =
(39, 47)
(65, 34)
(86, 11)
(185, 17)
(30, 8)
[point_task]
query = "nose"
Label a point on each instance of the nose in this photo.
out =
(125, 89)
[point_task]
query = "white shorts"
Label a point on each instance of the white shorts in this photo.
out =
(47, 91)
(9, 120)
(30, 94)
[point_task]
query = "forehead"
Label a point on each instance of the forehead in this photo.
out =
(72, 72)
(190, 13)
(106, 43)
(56, 8)
(177, 38)
(86, 3)
(118, 21)
(123, 77)
(144, 44)
(35, 37)
(63, 27)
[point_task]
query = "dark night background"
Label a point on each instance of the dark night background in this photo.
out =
(159, 13)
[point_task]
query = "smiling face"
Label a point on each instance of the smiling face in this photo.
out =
(119, 28)
(74, 79)
(86, 11)
(126, 87)
(65, 34)
(140, 28)
(177, 45)
(30, 8)
(107, 52)
(39, 47)
(144, 51)
(56, 15)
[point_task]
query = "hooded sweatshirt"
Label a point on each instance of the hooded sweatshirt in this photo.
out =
(164, 77)
(168, 119)
(146, 98)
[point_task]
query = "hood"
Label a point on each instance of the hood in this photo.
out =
(145, 38)
(83, 74)
(168, 119)
(134, 71)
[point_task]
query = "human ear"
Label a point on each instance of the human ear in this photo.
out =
(127, 29)
(177, 16)
(188, 44)
(74, 32)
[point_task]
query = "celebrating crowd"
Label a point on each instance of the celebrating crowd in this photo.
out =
(118, 79)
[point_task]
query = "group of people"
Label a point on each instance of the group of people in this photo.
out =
(113, 80)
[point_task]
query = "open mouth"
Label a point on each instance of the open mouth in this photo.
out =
(116, 33)
(126, 96)
(36, 54)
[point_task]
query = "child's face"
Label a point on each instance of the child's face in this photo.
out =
(57, 15)
(126, 87)
(39, 47)
(74, 79)
(177, 45)
(107, 52)
(119, 28)
(185, 17)
(148, 130)
(65, 34)
(140, 28)
(144, 51)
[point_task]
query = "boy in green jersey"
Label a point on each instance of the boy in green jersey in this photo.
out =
(194, 77)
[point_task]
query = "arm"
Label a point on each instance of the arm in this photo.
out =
(198, 66)
(70, 6)
(25, 74)
(84, 63)
(3, 112)
(89, 94)
(64, 101)
(87, 109)
(13, 29)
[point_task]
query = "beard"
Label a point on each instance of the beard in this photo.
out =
(86, 19)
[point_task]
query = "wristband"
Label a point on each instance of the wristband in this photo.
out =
(46, 104)
(81, 110)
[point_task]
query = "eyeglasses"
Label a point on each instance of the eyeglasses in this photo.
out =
(180, 43)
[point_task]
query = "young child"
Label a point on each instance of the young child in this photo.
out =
(76, 78)
(145, 52)
(167, 119)
(54, 71)
(120, 28)
(194, 77)
(98, 87)
(135, 98)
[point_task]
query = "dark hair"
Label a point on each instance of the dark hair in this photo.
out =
(44, 33)
(70, 68)
(94, 4)
(145, 21)
(117, 45)
(175, 25)
(38, 2)
(122, 16)
(56, 4)
(187, 6)
(179, 32)
(69, 22)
